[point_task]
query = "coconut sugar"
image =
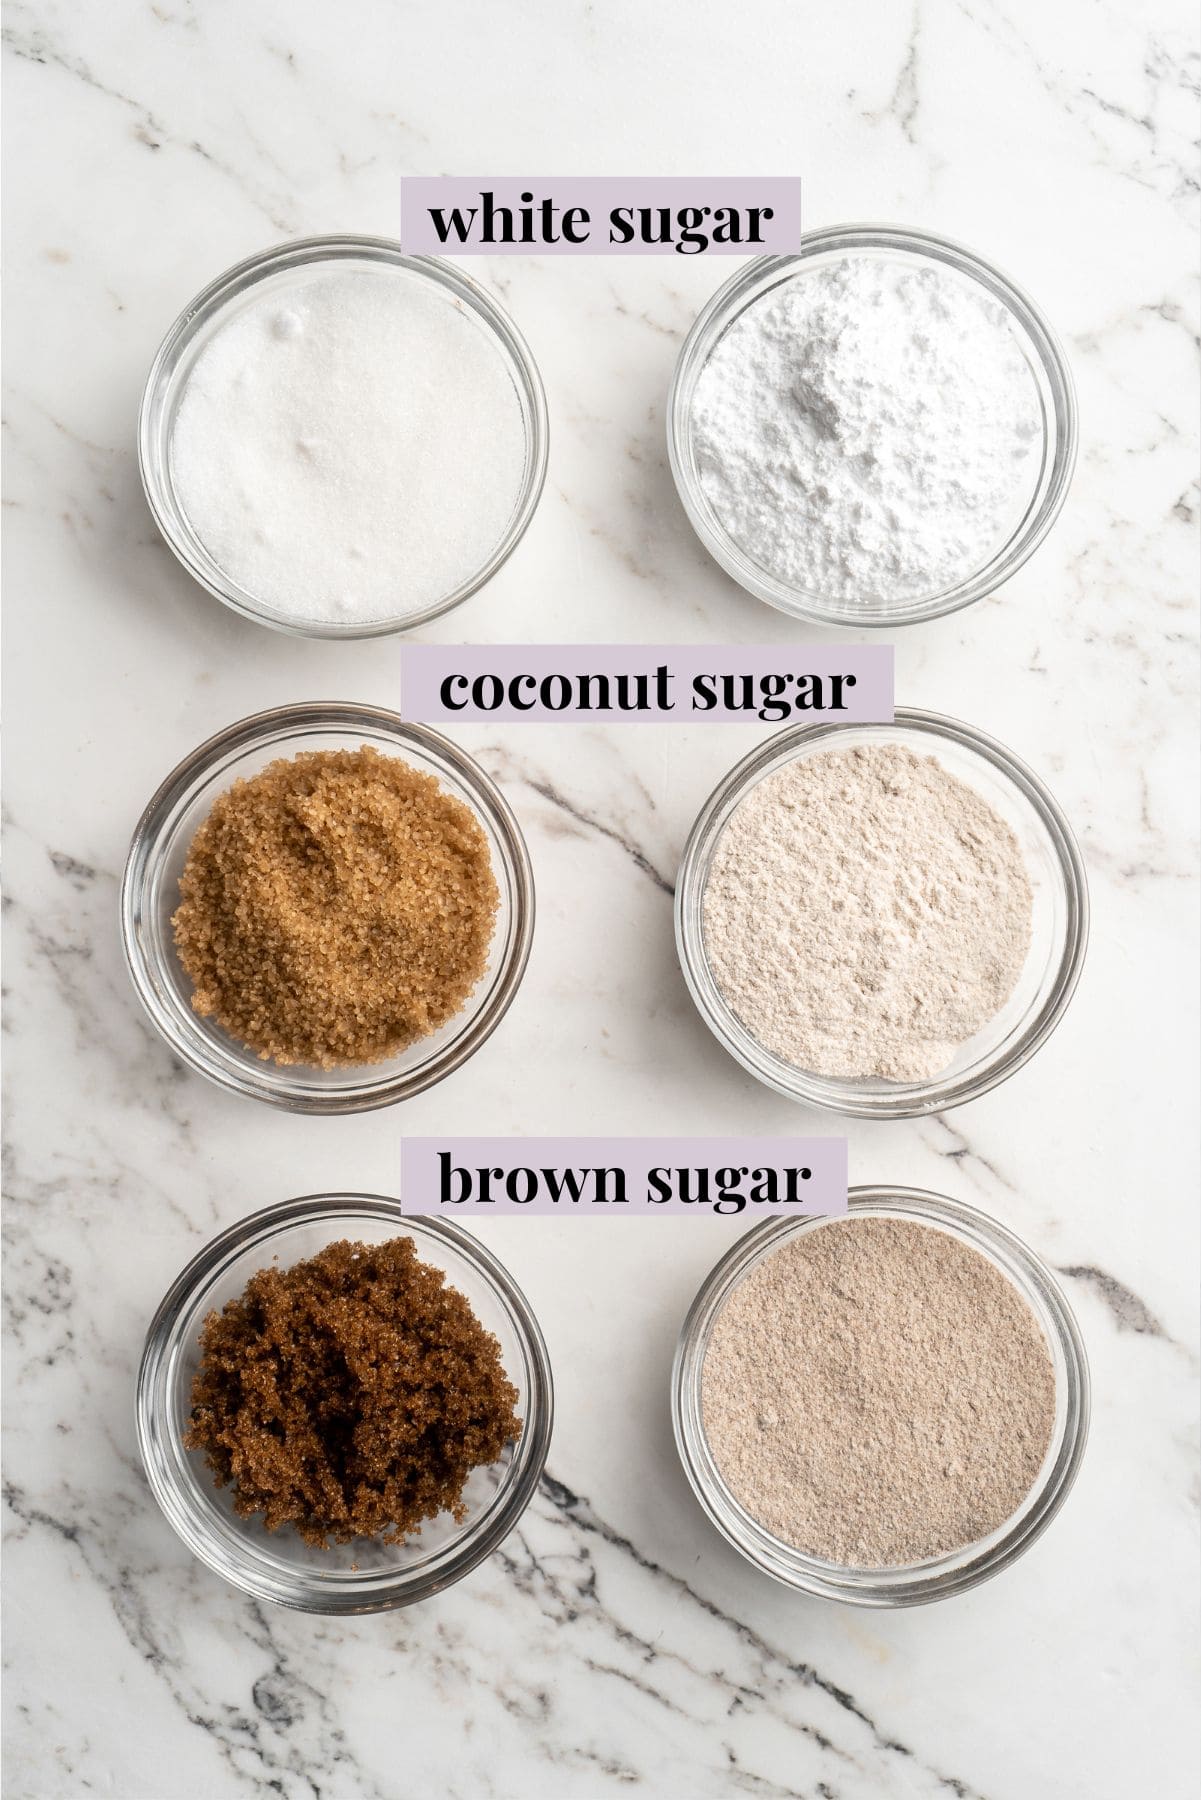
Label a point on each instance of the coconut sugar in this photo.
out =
(336, 908)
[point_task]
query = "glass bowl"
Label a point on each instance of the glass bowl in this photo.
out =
(937, 1578)
(281, 267)
(150, 895)
(1059, 933)
(365, 1576)
(1032, 519)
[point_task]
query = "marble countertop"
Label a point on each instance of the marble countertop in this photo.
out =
(616, 1644)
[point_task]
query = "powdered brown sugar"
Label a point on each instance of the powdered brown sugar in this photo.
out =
(866, 913)
(877, 1392)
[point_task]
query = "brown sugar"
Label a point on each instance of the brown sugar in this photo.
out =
(350, 1396)
(335, 908)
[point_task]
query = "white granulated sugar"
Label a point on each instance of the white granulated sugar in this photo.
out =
(349, 447)
(870, 430)
(866, 913)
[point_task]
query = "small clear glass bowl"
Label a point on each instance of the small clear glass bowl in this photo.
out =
(1033, 517)
(150, 895)
(915, 1583)
(1059, 934)
(281, 266)
(365, 1576)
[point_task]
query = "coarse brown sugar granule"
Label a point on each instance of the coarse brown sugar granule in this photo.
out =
(877, 1392)
(350, 1396)
(335, 908)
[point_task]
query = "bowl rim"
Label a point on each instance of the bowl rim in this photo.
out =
(350, 1594)
(277, 724)
(1061, 430)
(913, 1099)
(302, 252)
(942, 1577)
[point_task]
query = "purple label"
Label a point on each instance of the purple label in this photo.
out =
(599, 1177)
(649, 683)
(599, 215)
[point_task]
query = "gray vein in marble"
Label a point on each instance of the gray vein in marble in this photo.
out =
(254, 1748)
(1159, 65)
(905, 100)
(1188, 506)
(1158, 168)
(950, 1142)
(79, 874)
(39, 1298)
(1130, 872)
(60, 940)
(675, 332)
(259, 1744)
(637, 856)
(507, 766)
(1130, 1312)
(577, 1512)
(36, 47)
(82, 1186)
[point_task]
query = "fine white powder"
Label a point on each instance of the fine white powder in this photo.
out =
(869, 431)
(866, 913)
(349, 447)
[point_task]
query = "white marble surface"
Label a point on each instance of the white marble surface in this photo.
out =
(616, 1645)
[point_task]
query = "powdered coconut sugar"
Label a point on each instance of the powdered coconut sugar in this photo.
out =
(868, 431)
(866, 913)
(877, 1392)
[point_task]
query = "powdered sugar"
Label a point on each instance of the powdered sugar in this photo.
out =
(869, 430)
(349, 446)
(866, 913)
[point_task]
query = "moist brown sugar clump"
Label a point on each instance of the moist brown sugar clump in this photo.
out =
(350, 1396)
(335, 908)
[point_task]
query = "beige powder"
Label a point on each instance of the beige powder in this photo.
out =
(877, 1392)
(866, 913)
